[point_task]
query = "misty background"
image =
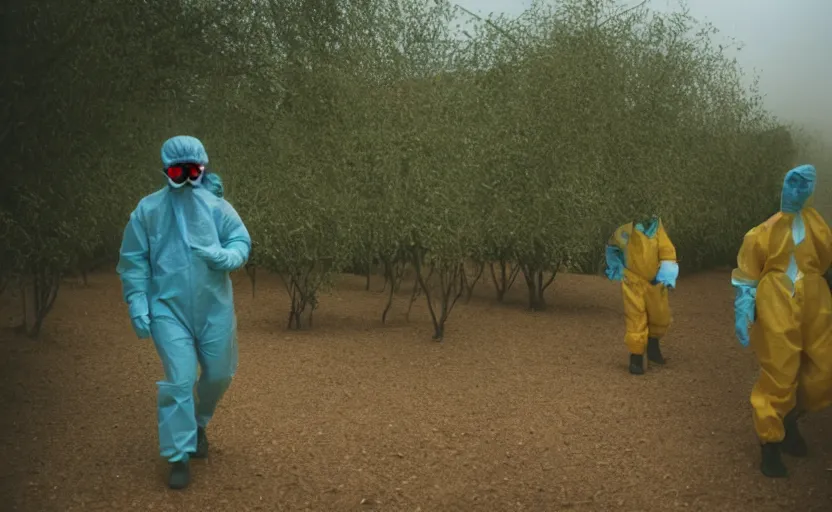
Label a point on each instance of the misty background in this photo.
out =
(785, 43)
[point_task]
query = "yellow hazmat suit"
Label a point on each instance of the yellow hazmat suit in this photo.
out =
(792, 336)
(642, 256)
(782, 291)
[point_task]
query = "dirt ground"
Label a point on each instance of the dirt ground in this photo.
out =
(515, 411)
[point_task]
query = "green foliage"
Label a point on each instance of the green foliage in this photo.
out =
(350, 133)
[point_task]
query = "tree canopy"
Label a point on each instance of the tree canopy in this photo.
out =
(356, 132)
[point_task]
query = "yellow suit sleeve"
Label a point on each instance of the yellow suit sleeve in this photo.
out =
(823, 237)
(751, 259)
(667, 251)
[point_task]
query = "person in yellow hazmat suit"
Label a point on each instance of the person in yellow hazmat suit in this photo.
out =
(642, 257)
(783, 309)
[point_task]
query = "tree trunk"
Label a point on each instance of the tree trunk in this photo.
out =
(504, 279)
(470, 283)
(251, 272)
(39, 295)
(537, 284)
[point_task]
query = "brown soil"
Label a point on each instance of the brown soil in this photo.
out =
(514, 411)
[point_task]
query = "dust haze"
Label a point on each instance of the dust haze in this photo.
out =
(786, 44)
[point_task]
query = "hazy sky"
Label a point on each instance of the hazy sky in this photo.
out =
(787, 43)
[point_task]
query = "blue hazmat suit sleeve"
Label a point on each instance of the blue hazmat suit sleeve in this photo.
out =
(134, 267)
(615, 263)
(668, 273)
(134, 270)
(234, 240)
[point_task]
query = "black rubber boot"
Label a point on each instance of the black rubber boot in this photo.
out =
(654, 351)
(636, 364)
(180, 475)
(772, 464)
(201, 444)
(793, 444)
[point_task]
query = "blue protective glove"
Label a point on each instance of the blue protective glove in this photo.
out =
(141, 326)
(668, 273)
(220, 259)
(745, 302)
(615, 263)
(139, 315)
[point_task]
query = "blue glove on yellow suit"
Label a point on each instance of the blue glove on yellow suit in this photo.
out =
(177, 250)
(668, 273)
(615, 263)
(745, 303)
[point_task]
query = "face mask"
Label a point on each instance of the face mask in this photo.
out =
(647, 225)
(797, 188)
(645, 220)
(180, 174)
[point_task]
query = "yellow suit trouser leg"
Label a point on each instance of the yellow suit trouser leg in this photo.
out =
(635, 314)
(646, 312)
(777, 342)
(815, 376)
(793, 343)
(658, 311)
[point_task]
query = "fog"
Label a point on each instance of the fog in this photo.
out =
(784, 46)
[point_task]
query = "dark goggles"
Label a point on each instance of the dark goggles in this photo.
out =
(178, 174)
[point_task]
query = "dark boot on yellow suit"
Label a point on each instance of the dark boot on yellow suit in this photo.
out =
(793, 444)
(771, 464)
(654, 351)
(636, 364)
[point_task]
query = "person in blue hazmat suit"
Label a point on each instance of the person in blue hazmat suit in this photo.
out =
(179, 247)
(783, 310)
(641, 255)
